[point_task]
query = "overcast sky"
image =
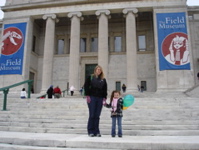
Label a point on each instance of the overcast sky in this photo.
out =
(189, 2)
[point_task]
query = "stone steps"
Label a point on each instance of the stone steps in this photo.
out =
(153, 116)
(126, 124)
(21, 147)
(43, 141)
(60, 124)
(103, 127)
(131, 132)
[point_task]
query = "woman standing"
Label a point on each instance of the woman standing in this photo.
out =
(96, 93)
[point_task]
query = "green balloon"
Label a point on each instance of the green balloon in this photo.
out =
(128, 100)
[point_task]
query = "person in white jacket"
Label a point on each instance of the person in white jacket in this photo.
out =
(72, 88)
(23, 93)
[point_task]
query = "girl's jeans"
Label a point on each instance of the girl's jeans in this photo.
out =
(119, 123)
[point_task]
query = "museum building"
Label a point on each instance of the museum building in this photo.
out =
(148, 43)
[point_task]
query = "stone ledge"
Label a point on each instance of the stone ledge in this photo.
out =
(106, 141)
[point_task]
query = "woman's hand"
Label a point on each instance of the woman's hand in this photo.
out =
(88, 99)
(104, 102)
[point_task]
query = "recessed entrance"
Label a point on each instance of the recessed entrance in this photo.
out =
(32, 77)
(89, 69)
(118, 86)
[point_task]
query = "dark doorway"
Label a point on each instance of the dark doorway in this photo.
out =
(143, 85)
(118, 86)
(89, 69)
(32, 77)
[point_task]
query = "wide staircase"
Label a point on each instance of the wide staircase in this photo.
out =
(156, 121)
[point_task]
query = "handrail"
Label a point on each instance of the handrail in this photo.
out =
(6, 90)
(64, 92)
(44, 95)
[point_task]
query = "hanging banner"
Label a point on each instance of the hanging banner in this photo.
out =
(12, 49)
(173, 41)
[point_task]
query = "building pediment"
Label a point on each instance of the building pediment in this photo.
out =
(14, 5)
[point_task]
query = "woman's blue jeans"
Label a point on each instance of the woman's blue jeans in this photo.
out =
(119, 124)
(95, 108)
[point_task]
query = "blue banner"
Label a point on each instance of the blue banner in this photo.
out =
(173, 41)
(12, 49)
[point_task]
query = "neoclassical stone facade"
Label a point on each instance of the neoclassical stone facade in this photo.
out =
(66, 39)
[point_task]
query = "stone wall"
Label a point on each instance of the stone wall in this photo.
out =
(147, 61)
(194, 28)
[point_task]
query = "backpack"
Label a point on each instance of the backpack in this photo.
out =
(83, 91)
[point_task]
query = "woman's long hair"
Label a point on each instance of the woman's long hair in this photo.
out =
(102, 73)
(112, 95)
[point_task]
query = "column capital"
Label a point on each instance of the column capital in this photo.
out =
(127, 10)
(77, 13)
(105, 11)
(53, 16)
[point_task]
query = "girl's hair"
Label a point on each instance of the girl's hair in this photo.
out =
(112, 95)
(23, 89)
(102, 73)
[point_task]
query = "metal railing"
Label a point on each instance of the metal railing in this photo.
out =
(64, 91)
(6, 90)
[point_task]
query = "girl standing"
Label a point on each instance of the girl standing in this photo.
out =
(116, 103)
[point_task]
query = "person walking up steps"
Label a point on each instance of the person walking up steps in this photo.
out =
(50, 92)
(72, 88)
(123, 88)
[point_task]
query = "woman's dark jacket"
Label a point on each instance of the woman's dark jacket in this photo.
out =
(95, 87)
(118, 111)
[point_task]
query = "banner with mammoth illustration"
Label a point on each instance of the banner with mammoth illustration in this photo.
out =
(12, 49)
(173, 41)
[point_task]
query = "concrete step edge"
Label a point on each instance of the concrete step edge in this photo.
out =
(22, 147)
(106, 141)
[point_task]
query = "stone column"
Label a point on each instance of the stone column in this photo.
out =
(27, 51)
(131, 49)
(48, 51)
(74, 49)
(103, 53)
